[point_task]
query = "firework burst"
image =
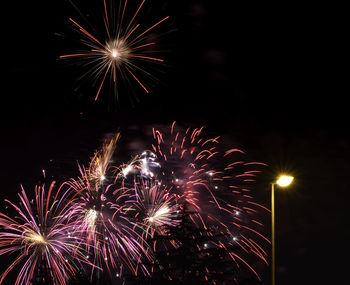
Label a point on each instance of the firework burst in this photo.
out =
(100, 216)
(155, 206)
(123, 52)
(142, 165)
(39, 235)
(215, 184)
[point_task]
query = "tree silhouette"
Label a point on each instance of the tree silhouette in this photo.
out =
(188, 254)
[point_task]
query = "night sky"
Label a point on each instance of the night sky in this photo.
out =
(267, 77)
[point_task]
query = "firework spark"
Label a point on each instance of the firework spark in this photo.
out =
(39, 234)
(122, 52)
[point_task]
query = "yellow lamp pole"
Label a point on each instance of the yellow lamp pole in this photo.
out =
(283, 181)
(273, 231)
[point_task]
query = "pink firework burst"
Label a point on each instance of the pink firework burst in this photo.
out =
(39, 234)
(215, 183)
(123, 51)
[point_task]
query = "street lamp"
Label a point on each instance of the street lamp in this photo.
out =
(283, 181)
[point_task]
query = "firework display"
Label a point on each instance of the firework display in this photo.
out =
(184, 194)
(108, 218)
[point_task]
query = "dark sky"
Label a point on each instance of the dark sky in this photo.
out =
(270, 77)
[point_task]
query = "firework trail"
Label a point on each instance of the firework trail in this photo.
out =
(39, 234)
(96, 173)
(123, 52)
(100, 217)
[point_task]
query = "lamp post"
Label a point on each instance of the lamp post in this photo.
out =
(283, 181)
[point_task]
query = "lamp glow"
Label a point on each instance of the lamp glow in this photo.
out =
(284, 180)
